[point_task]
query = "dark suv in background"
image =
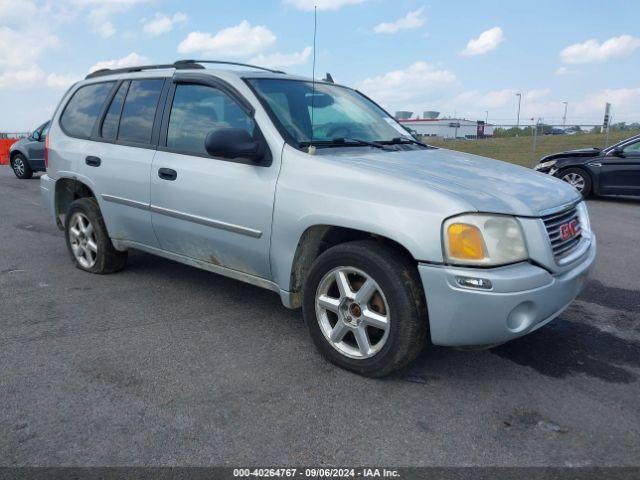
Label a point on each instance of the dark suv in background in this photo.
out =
(612, 171)
(27, 154)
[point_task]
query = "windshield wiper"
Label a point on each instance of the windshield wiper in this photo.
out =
(404, 140)
(344, 142)
(358, 141)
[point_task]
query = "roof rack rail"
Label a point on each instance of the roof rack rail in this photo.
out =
(140, 68)
(179, 64)
(222, 62)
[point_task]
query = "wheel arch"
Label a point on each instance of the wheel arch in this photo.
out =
(15, 152)
(66, 191)
(315, 240)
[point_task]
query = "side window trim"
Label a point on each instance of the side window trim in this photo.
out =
(225, 88)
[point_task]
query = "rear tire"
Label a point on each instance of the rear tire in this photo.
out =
(88, 242)
(381, 296)
(577, 178)
(21, 167)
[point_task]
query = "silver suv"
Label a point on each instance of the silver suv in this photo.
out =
(312, 190)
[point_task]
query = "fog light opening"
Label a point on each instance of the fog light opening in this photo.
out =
(522, 317)
(471, 282)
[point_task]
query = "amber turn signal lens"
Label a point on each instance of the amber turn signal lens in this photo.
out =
(465, 242)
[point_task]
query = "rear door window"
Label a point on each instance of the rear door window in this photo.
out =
(136, 122)
(82, 111)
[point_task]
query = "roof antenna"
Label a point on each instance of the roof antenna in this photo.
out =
(312, 149)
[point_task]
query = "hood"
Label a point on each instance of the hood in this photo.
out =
(488, 185)
(579, 153)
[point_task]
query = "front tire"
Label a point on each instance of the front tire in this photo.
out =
(364, 308)
(578, 179)
(21, 167)
(88, 241)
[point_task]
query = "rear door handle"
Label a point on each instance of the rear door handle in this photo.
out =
(93, 161)
(167, 174)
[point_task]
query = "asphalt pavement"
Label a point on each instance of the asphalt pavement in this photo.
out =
(164, 364)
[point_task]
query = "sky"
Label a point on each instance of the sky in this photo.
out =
(466, 58)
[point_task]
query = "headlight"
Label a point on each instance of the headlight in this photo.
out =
(483, 240)
(545, 165)
(583, 217)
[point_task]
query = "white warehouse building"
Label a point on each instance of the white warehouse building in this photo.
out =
(448, 127)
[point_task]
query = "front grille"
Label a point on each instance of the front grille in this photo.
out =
(561, 248)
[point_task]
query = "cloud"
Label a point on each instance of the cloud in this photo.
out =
(130, 60)
(308, 5)
(625, 104)
(417, 85)
(410, 21)
(14, 11)
(238, 41)
(61, 81)
(592, 51)
(487, 41)
(282, 60)
(21, 78)
(161, 24)
(101, 11)
(23, 47)
(564, 71)
(18, 66)
(34, 76)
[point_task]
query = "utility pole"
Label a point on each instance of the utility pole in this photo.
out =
(564, 116)
(535, 142)
(519, 95)
(486, 117)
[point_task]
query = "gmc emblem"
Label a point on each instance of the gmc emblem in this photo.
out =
(569, 230)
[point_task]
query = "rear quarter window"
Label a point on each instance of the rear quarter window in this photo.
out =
(82, 111)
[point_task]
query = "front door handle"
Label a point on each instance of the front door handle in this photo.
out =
(167, 174)
(93, 161)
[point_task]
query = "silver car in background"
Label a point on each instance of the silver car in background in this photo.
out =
(311, 190)
(26, 156)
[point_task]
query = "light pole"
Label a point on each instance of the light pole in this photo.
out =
(519, 95)
(564, 116)
(486, 117)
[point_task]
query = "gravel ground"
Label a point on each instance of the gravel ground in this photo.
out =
(163, 364)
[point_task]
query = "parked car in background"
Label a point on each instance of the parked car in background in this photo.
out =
(26, 156)
(312, 190)
(612, 171)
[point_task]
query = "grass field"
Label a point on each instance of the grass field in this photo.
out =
(520, 150)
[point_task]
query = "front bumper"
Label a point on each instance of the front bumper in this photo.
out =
(523, 298)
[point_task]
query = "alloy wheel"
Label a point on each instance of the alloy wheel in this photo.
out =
(18, 166)
(352, 312)
(82, 238)
(575, 180)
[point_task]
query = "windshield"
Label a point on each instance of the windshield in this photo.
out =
(336, 113)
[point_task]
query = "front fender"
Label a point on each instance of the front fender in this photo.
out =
(315, 191)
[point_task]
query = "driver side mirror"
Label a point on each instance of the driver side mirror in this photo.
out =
(618, 152)
(234, 143)
(36, 136)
